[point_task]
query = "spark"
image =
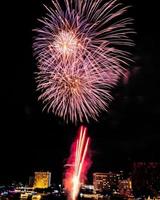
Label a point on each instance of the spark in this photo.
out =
(74, 94)
(66, 44)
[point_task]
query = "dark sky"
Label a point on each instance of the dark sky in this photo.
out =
(34, 140)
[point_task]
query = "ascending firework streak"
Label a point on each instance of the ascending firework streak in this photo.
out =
(81, 149)
(75, 175)
(81, 53)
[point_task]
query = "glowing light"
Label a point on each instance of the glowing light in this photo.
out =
(66, 43)
(42, 179)
(79, 163)
(81, 54)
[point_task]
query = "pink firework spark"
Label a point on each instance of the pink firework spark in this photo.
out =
(81, 54)
(78, 93)
(79, 162)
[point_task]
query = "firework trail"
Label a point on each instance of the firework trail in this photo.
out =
(80, 51)
(79, 163)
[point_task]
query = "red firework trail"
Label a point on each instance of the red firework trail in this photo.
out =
(79, 163)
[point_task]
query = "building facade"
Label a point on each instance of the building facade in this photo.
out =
(146, 178)
(125, 187)
(31, 181)
(42, 179)
(106, 181)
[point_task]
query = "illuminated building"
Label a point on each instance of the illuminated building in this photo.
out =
(87, 189)
(106, 181)
(42, 179)
(99, 181)
(125, 187)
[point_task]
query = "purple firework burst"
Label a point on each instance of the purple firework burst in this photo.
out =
(81, 55)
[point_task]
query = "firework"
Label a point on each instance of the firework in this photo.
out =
(81, 55)
(75, 93)
(79, 162)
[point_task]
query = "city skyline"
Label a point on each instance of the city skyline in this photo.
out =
(34, 140)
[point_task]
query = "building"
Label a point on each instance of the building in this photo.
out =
(42, 179)
(87, 189)
(125, 187)
(31, 181)
(99, 181)
(145, 178)
(106, 181)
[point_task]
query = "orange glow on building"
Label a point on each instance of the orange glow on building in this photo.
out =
(125, 187)
(42, 179)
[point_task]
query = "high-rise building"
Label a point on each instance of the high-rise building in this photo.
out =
(146, 178)
(106, 181)
(100, 181)
(125, 187)
(42, 179)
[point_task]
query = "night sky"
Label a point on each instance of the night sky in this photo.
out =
(34, 140)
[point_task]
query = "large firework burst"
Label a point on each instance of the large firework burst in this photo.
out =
(80, 53)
